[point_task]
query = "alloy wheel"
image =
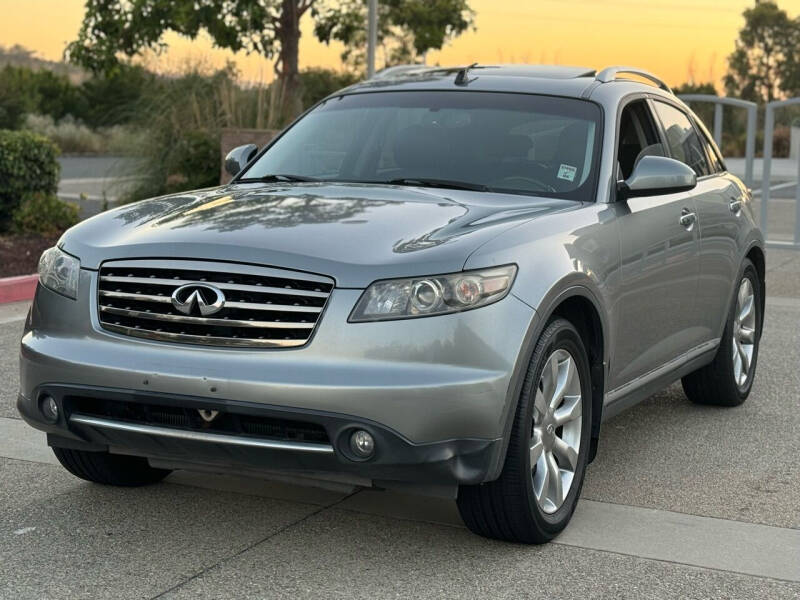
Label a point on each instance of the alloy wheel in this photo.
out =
(744, 332)
(556, 435)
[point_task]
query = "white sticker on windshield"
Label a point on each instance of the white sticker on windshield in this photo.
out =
(567, 172)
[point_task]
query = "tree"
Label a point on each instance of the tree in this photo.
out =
(407, 29)
(765, 64)
(128, 27)
(114, 28)
(703, 109)
(319, 83)
(113, 97)
(17, 96)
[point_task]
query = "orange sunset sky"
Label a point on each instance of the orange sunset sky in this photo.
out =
(670, 37)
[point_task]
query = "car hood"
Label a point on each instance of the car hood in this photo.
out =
(356, 233)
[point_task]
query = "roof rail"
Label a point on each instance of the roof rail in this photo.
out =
(401, 70)
(610, 74)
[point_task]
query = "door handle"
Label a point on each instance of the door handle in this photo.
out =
(688, 219)
(735, 206)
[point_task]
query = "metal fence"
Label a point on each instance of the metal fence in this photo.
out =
(767, 186)
(766, 178)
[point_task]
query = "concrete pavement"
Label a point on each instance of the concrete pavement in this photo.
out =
(682, 502)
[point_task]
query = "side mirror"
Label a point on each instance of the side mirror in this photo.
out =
(237, 158)
(655, 175)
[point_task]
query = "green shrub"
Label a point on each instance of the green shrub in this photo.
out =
(181, 119)
(44, 214)
(57, 96)
(197, 159)
(74, 137)
(28, 163)
(781, 141)
(71, 137)
(113, 99)
(177, 160)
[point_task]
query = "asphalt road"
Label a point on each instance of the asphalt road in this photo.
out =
(681, 502)
(95, 182)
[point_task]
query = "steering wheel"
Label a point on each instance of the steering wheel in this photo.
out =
(545, 187)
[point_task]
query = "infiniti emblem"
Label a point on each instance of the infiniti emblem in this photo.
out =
(198, 297)
(208, 415)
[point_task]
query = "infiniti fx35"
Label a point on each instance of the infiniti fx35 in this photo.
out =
(442, 280)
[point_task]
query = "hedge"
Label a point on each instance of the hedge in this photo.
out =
(44, 214)
(28, 164)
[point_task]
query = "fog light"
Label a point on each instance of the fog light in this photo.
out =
(49, 408)
(362, 444)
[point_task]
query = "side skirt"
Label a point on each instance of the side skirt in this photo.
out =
(633, 392)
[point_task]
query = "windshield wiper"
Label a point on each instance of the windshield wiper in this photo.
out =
(277, 177)
(438, 183)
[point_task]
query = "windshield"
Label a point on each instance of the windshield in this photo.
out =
(517, 143)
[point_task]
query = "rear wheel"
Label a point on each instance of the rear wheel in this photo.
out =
(728, 379)
(536, 493)
(109, 469)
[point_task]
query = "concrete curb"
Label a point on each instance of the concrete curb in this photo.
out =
(16, 289)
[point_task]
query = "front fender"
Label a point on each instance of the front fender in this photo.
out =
(575, 253)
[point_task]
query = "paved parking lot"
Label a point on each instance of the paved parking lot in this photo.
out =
(682, 501)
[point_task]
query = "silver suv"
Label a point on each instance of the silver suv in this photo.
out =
(442, 281)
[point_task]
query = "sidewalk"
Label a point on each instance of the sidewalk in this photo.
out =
(782, 169)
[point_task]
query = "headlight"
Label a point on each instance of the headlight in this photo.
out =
(59, 272)
(435, 295)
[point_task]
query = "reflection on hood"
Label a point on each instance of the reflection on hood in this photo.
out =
(354, 232)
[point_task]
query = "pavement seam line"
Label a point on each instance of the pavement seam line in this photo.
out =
(673, 562)
(591, 548)
(31, 462)
(688, 514)
(251, 546)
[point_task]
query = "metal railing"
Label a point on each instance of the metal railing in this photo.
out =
(766, 188)
(751, 107)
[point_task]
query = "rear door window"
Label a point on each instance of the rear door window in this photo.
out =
(714, 156)
(682, 140)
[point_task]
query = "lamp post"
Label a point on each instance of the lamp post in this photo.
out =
(372, 36)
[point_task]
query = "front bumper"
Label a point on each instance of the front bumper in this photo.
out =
(437, 391)
(396, 460)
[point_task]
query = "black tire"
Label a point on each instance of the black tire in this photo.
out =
(507, 509)
(109, 469)
(715, 384)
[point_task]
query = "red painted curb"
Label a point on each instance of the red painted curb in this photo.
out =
(16, 289)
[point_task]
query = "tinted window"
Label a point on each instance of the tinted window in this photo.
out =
(684, 144)
(638, 137)
(712, 151)
(513, 143)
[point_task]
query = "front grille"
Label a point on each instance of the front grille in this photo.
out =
(189, 419)
(263, 307)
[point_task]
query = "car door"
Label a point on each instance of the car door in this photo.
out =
(720, 199)
(656, 316)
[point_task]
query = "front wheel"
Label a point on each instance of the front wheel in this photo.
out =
(728, 379)
(536, 493)
(109, 469)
